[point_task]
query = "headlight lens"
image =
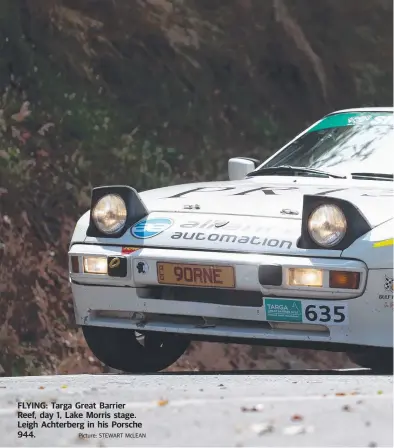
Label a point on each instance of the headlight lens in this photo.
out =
(95, 265)
(110, 213)
(305, 277)
(327, 225)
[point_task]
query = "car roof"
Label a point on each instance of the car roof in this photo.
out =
(364, 109)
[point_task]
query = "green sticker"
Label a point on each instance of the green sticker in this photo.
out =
(283, 310)
(353, 119)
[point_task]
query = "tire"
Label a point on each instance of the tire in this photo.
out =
(134, 352)
(379, 360)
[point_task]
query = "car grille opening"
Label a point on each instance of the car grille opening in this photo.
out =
(208, 295)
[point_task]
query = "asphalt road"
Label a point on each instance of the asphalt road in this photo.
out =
(350, 409)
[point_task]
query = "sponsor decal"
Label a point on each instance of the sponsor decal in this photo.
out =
(388, 288)
(265, 190)
(388, 283)
(191, 207)
(354, 119)
(283, 310)
(221, 224)
(272, 191)
(193, 233)
(379, 194)
(288, 211)
(150, 227)
(359, 119)
(129, 250)
(231, 238)
(306, 311)
(142, 267)
(235, 225)
(384, 243)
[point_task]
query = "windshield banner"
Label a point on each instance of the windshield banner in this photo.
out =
(355, 118)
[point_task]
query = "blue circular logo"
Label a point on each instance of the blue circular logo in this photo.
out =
(150, 227)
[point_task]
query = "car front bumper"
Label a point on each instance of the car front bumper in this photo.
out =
(137, 301)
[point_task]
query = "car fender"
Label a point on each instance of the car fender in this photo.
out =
(375, 248)
(79, 234)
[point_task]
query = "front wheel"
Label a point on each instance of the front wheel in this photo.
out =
(379, 360)
(134, 352)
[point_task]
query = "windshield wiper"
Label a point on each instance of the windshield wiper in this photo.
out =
(373, 176)
(292, 170)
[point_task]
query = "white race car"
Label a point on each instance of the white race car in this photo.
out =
(296, 251)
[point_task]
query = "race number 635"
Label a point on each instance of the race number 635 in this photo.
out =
(324, 313)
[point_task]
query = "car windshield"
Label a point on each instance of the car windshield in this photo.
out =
(344, 143)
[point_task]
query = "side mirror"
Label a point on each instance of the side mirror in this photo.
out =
(239, 167)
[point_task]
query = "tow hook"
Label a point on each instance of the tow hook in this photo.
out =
(206, 324)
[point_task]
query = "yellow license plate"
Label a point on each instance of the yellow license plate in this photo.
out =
(196, 275)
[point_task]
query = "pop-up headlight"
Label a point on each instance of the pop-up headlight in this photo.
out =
(109, 214)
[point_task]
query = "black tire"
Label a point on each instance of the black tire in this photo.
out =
(379, 360)
(130, 352)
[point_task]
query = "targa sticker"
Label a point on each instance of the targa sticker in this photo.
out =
(283, 310)
(150, 227)
(306, 311)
